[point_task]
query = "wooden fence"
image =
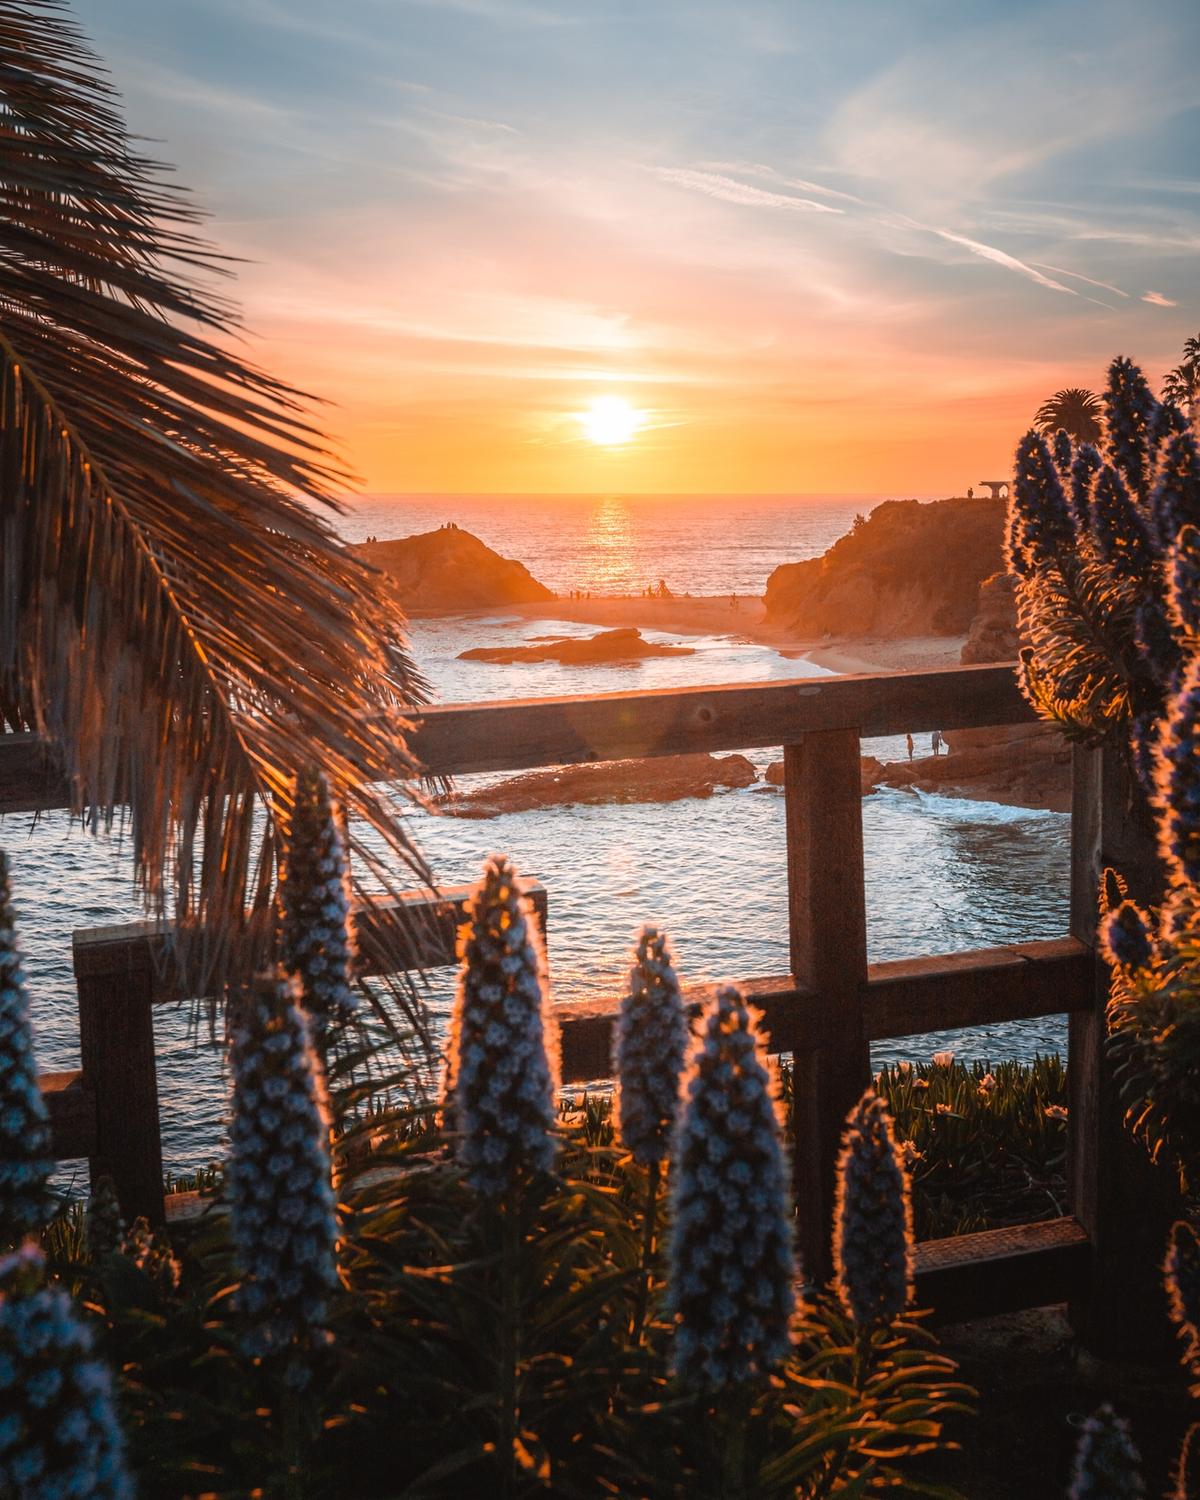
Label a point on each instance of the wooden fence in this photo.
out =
(825, 1012)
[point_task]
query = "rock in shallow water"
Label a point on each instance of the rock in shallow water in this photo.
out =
(667, 778)
(609, 648)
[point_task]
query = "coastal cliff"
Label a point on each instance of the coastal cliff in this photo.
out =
(450, 570)
(910, 568)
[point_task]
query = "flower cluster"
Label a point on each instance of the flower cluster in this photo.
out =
(103, 1225)
(650, 1047)
(1183, 584)
(152, 1255)
(282, 1213)
(1178, 783)
(106, 1235)
(25, 1161)
(1181, 1276)
(1176, 499)
(872, 1223)
(59, 1434)
(732, 1263)
(502, 1066)
(1036, 531)
(1105, 588)
(1107, 1465)
(1131, 423)
(314, 891)
(1117, 527)
(1125, 936)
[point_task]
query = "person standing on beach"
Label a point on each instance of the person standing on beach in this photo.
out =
(937, 742)
(911, 747)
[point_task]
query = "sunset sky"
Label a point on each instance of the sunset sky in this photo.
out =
(822, 247)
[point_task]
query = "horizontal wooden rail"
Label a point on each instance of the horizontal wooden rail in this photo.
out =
(903, 997)
(72, 1109)
(963, 1276)
(1002, 1270)
(30, 778)
(430, 930)
(521, 734)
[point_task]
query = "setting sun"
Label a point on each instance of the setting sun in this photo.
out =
(610, 420)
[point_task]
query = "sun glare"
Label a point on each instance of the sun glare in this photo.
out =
(610, 421)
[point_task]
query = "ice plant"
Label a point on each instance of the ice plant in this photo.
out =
(59, 1434)
(1106, 1462)
(314, 893)
(872, 1224)
(25, 1162)
(649, 1050)
(502, 1069)
(1181, 1276)
(282, 1220)
(732, 1265)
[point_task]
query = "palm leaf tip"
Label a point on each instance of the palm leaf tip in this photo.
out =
(178, 615)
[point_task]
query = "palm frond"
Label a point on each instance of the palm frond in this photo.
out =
(174, 610)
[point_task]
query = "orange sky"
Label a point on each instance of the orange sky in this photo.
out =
(820, 246)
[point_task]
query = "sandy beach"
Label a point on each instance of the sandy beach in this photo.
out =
(741, 616)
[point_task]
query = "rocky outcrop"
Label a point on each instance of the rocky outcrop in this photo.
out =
(667, 778)
(1022, 765)
(450, 570)
(869, 768)
(993, 632)
(908, 569)
(611, 648)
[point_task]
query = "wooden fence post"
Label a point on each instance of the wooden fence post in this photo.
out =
(827, 927)
(1125, 1204)
(115, 985)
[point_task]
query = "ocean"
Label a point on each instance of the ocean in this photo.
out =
(942, 874)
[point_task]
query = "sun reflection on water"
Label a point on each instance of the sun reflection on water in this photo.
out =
(610, 564)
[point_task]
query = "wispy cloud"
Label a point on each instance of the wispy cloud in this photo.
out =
(760, 170)
(1156, 299)
(1002, 258)
(1106, 286)
(729, 190)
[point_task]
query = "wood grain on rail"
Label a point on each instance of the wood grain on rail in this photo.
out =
(938, 992)
(521, 734)
(524, 733)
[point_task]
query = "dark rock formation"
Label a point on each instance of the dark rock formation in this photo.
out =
(666, 778)
(993, 632)
(868, 765)
(1023, 765)
(612, 648)
(448, 570)
(908, 569)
